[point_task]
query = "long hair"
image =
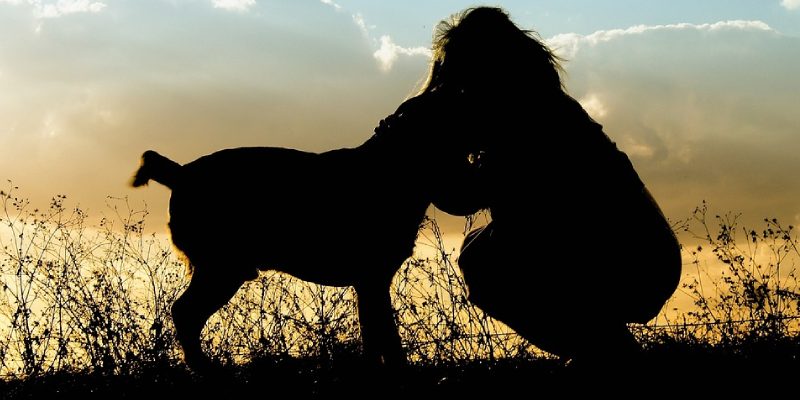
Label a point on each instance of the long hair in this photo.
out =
(482, 47)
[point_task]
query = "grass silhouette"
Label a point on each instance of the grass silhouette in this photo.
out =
(84, 310)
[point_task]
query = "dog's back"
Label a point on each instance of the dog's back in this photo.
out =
(298, 212)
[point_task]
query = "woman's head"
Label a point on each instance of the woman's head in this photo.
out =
(482, 49)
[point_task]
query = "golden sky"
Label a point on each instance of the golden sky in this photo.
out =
(703, 99)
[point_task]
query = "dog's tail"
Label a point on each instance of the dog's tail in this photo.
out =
(158, 168)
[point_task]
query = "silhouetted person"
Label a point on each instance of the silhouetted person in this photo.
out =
(577, 247)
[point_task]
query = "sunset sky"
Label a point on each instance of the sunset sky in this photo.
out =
(703, 95)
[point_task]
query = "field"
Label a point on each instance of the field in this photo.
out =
(84, 312)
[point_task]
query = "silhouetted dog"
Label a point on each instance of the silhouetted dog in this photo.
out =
(346, 217)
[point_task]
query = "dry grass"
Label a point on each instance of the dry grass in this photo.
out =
(84, 308)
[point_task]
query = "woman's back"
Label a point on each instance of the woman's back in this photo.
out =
(552, 161)
(568, 206)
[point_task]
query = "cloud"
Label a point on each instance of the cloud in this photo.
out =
(358, 19)
(56, 9)
(705, 111)
(389, 51)
(332, 4)
(593, 105)
(568, 44)
(80, 101)
(637, 149)
(790, 4)
(234, 5)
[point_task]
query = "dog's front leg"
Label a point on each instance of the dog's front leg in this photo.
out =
(379, 333)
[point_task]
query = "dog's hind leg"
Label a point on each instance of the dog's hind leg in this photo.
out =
(208, 291)
(379, 334)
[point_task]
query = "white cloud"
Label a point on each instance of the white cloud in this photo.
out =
(65, 7)
(568, 44)
(234, 5)
(358, 19)
(56, 9)
(635, 148)
(593, 105)
(389, 51)
(790, 4)
(332, 4)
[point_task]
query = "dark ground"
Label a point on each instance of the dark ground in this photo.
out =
(665, 371)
